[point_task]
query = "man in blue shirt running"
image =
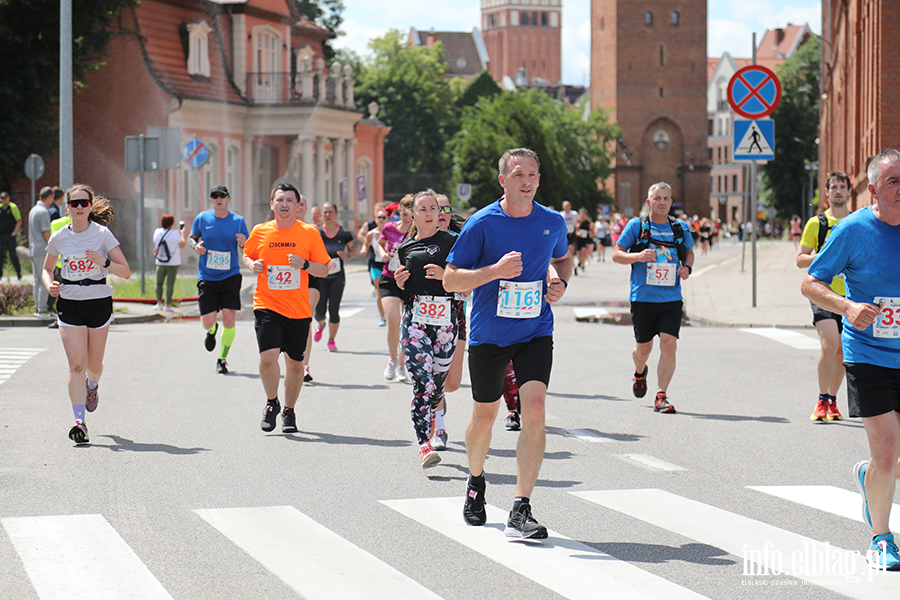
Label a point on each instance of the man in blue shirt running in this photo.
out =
(865, 247)
(217, 236)
(658, 265)
(515, 256)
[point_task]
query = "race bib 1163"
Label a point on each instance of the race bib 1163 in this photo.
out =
(519, 300)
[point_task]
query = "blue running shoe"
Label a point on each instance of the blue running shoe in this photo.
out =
(883, 553)
(859, 476)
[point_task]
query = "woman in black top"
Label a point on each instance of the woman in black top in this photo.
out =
(339, 244)
(430, 318)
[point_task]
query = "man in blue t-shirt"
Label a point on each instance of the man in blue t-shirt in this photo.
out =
(865, 247)
(657, 267)
(514, 255)
(217, 236)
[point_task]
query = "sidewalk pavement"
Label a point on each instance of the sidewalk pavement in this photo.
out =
(718, 293)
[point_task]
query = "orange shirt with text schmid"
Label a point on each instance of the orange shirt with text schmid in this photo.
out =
(288, 294)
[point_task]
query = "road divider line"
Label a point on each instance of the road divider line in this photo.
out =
(569, 568)
(652, 462)
(314, 561)
(80, 556)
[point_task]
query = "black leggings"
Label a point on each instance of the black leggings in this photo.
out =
(330, 293)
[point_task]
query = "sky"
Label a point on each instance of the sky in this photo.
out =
(731, 25)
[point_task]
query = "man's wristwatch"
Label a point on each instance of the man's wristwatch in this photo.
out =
(107, 263)
(305, 265)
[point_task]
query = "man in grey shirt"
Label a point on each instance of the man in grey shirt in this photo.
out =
(38, 235)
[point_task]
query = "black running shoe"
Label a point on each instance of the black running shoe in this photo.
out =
(522, 525)
(513, 421)
(79, 432)
(270, 413)
(474, 511)
(288, 421)
(210, 341)
(639, 387)
(221, 366)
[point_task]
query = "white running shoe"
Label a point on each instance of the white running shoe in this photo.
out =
(390, 370)
(402, 375)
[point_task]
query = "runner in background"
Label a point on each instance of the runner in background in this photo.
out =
(391, 295)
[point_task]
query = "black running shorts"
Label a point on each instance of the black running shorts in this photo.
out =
(532, 361)
(274, 330)
(872, 390)
(216, 295)
(820, 314)
(652, 318)
(389, 288)
(94, 314)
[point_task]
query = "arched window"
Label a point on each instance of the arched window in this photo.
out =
(233, 172)
(266, 64)
(648, 18)
(198, 48)
(675, 18)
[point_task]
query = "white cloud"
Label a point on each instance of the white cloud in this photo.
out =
(357, 36)
(733, 37)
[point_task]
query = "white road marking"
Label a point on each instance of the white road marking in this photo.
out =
(588, 435)
(826, 498)
(652, 462)
(13, 358)
(346, 313)
(764, 549)
(567, 567)
(786, 336)
(314, 561)
(80, 556)
(590, 312)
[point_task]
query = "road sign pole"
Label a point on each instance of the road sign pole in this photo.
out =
(141, 216)
(753, 199)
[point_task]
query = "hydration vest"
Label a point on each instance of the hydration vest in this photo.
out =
(644, 239)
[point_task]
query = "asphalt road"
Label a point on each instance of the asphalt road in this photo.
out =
(181, 495)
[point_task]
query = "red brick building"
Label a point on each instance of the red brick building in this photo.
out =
(248, 79)
(649, 70)
(523, 35)
(860, 89)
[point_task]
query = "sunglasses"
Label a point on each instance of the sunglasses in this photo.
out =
(382, 218)
(217, 196)
(446, 209)
(83, 203)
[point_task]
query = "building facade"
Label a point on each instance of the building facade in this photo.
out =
(648, 69)
(523, 39)
(247, 80)
(860, 90)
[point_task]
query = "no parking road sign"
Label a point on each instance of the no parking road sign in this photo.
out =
(754, 92)
(194, 153)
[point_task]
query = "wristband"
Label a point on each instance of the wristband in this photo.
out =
(565, 283)
(305, 265)
(107, 263)
(690, 269)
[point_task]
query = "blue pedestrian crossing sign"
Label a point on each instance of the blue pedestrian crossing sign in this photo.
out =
(754, 139)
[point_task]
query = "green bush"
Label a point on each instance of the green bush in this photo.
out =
(16, 298)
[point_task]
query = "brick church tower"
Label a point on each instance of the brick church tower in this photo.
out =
(523, 34)
(648, 68)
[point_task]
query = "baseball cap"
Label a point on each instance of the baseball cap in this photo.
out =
(220, 189)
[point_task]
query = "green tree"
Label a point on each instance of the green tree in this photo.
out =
(29, 87)
(483, 86)
(796, 124)
(572, 145)
(346, 56)
(328, 14)
(416, 101)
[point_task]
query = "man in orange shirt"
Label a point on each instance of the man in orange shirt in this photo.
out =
(282, 253)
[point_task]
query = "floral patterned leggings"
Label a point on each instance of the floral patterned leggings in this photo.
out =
(428, 350)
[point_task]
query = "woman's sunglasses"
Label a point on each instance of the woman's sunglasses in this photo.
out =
(83, 203)
(446, 209)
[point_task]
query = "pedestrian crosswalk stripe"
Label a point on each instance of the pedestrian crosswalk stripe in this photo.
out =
(13, 358)
(346, 313)
(569, 568)
(652, 462)
(80, 556)
(764, 549)
(785, 336)
(826, 498)
(316, 562)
